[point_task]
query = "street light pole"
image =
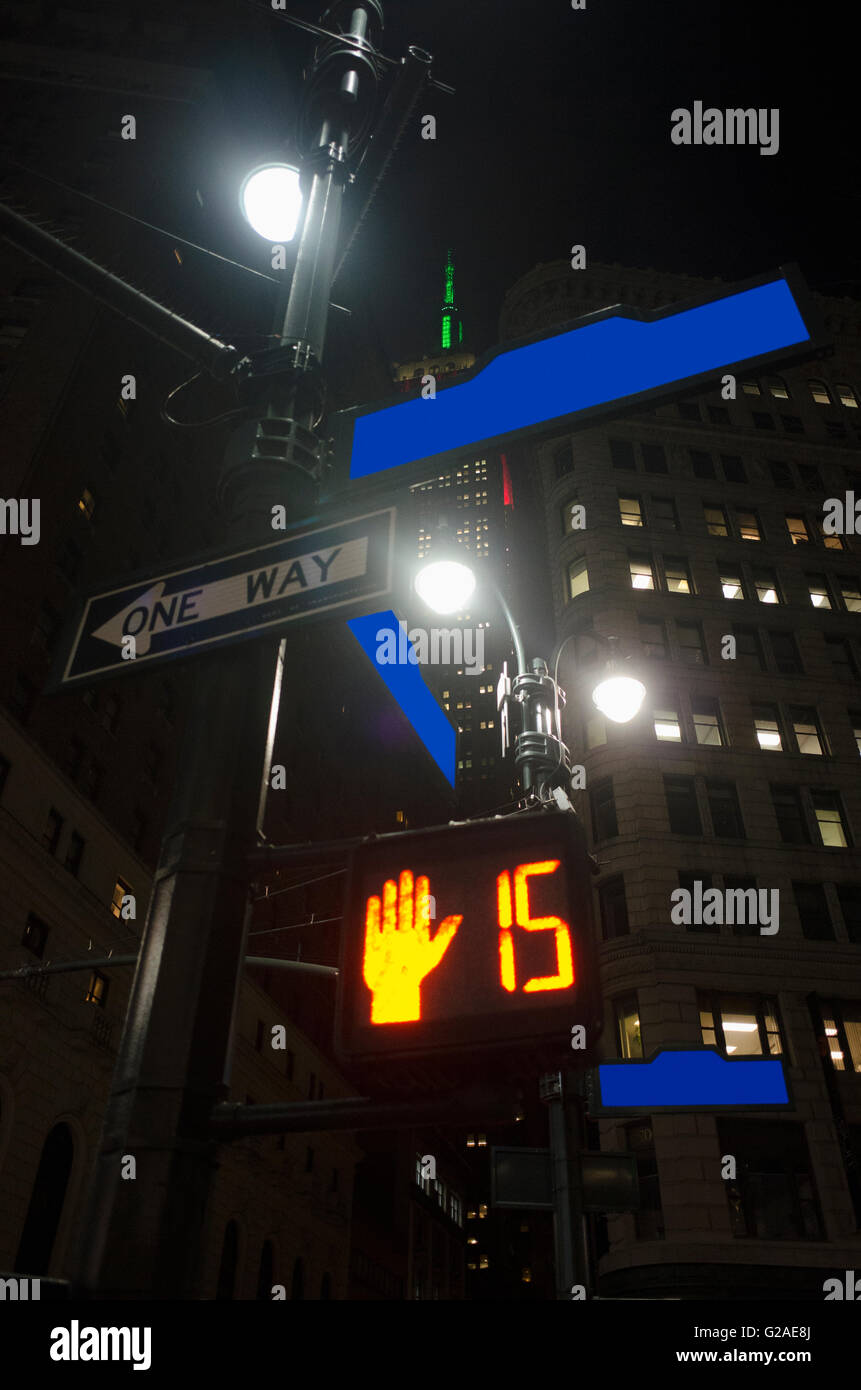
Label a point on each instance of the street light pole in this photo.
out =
(142, 1234)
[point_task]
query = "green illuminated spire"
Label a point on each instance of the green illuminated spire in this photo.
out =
(450, 321)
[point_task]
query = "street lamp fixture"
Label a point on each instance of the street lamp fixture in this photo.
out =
(271, 201)
(445, 582)
(619, 697)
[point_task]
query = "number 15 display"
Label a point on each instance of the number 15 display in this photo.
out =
(466, 936)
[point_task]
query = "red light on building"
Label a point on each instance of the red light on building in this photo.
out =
(507, 489)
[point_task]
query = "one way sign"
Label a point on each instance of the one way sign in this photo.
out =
(346, 565)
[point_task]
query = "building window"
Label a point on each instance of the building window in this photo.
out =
(797, 528)
(811, 478)
(733, 468)
(849, 895)
(785, 654)
(718, 415)
(829, 815)
(748, 648)
(843, 1030)
(614, 908)
(563, 460)
(677, 575)
(667, 726)
(781, 474)
(692, 648)
(830, 542)
(649, 1217)
(765, 583)
(812, 907)
(75, 852)
(846, 395)
(855, 720)
(653, 638)
(817, 587)
(654, 458)
(766, 723)
(702, 464)
(707, 721)
(87, 504)
(751, 388)
(628, 1026)
(689, 880)
(731, 582)
(717, 523)
(741, 900)
(97, 989)
(850, 592)
(820, 392)
(740, 1025)
(841, 658)
(790, 815)
(53, 830)
(578, 578)
(604, 823)
(682, 807)
(664, 512)
(689, 410)
(35, 935)
(121, 890)
(748, 525)
(630, 511)
(642, 572)
(622, 454)
(773, 1196)
(807, 730)
(725, 810)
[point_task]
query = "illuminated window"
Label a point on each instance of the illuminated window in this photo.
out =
(830, 542)
(740, 1025)
(748, 526)
(667, 726)
(628, 1026)
(776, 386)
(843, 1031)
(677, 575)
(87, 503)
(707, 721)
(578, 578)
(642, 573)
(765, 583)
(751, 388)
(846, 395)
(808, 734)
(820, 392)
(731, 582)
(716, 520)
(850, 592)
(630, 511)
(817, 587)
(830, 819)
(97, 989)
(767, 726)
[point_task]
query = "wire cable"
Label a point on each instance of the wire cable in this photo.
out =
(193, 424)
(291, 887)
(294, 926)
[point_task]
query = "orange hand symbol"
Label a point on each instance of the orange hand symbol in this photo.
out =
(399, 951)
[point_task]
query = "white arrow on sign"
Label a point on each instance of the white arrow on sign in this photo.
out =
(150, 613)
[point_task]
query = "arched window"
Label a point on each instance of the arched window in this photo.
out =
(297, 1290)
(229, 1261)
(819, 391)
(266, 1272)
(46, 1202)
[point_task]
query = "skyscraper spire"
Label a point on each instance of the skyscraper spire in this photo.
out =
(452, 328)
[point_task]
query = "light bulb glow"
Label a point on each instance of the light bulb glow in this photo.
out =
(445, 585)
(619, 697)
(271, 201)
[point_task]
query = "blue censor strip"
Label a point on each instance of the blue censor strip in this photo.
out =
(406, 683)
(607, 358)
(699, 1079)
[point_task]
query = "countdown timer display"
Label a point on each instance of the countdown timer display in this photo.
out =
(468, 935)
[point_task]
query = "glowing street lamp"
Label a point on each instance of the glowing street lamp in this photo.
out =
(271, 201)
(619, 697)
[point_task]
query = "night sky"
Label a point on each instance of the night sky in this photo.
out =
(559, 133)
